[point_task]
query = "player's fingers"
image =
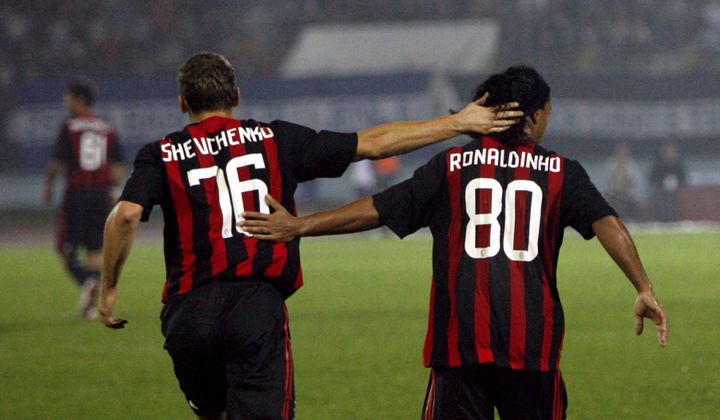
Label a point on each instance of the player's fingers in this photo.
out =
(507, 106)
(662, 328)
(273, 203)
(255, 215)
(249, 222)
(504, 123)
(499, 129)
(267, 237)
(508, 115)
(639, 324)
(662, 334)
(482, 99)
(257, 227)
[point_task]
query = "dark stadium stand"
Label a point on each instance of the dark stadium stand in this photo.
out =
(41, 39)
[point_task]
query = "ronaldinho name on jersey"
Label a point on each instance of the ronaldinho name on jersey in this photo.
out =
(504, 159)
(213, 145)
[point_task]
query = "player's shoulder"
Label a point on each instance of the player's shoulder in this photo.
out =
(153, 145)
(568, 162)
(286, 127)
(275, 127)
(571, 166)
(250, 122)
(439, 160)
(177, 136)
(542, 150)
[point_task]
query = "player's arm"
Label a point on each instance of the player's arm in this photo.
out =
(55, 168)
(396, 138)
(281, 226)
(120, 229)
(618, 242)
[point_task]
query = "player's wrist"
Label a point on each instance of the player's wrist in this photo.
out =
(301, 227)
(454, 123)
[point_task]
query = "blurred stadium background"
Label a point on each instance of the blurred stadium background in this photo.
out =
(638, 73)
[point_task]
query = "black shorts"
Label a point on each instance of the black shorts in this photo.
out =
(82, 219)
(230, 346)
(474, 392)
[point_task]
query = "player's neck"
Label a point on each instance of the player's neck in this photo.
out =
(197, 117)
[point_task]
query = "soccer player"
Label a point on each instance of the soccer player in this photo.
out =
(224, 318)
(497, 208)
(88, 152)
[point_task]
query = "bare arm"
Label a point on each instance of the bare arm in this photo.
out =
(281, 226)
(396, 138)
(616, 240)
(120, 229)
(55, 167)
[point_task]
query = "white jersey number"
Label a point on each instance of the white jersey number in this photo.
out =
(491, 219)
(93, 150)
(231, 189)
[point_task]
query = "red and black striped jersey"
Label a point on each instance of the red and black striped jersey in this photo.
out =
(497, 215)
(88, 146)
(205, 176)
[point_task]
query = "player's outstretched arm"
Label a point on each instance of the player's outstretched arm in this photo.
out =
(616, 240)
(120, 229)
(395, 138)
(281, 226)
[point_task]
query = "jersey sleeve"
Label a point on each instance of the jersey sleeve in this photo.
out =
(145, 185)
(63, 147)
(581, 203)
(312, 154)
(408, 206)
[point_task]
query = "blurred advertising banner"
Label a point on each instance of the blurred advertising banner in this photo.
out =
(465, 45)
(144, 112)
(635, 119)
(590, 110)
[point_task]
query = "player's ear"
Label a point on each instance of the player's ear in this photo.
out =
(535, 115)
(236, 97)
(183, 104)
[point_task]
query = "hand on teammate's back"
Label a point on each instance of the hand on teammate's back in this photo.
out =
(279, 226)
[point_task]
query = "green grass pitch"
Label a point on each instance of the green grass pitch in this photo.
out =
(358, 326)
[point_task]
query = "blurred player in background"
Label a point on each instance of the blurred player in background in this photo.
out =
(668, 176)
(224, 320)
(88, 152)
(622, 182)
(497, 209)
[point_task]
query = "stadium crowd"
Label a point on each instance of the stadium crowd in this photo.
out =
(123, 37)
